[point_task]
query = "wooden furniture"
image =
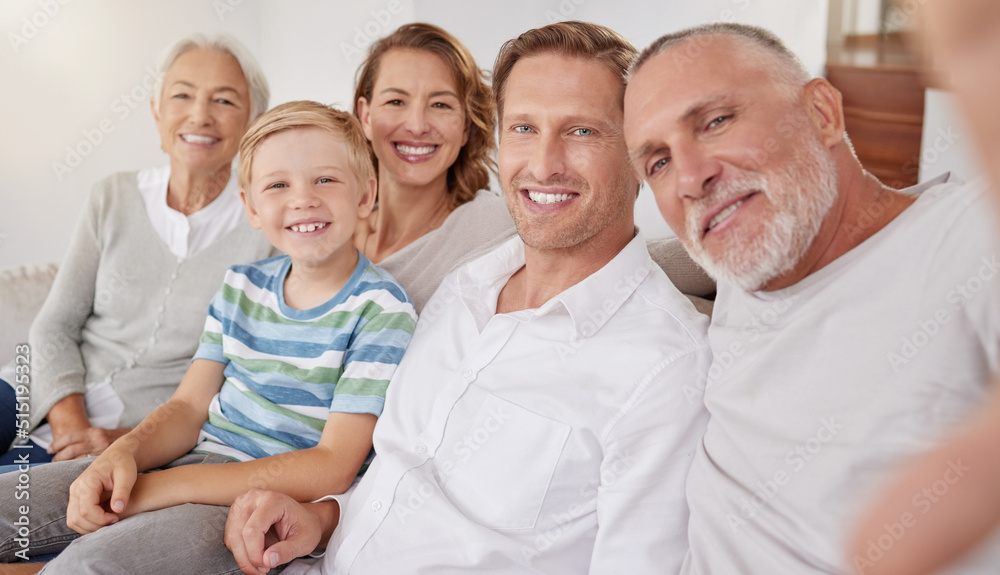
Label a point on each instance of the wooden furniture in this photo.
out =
(883, 105)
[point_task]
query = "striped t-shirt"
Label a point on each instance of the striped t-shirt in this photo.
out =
(287, 369)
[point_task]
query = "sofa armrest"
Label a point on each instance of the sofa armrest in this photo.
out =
(22, 292)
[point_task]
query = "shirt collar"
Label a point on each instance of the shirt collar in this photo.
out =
(590, 303)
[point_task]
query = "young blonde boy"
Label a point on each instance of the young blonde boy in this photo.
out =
(285, 387)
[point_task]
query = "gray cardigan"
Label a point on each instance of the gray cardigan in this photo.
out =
(123, 308)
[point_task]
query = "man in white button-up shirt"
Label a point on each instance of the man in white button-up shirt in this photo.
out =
(545, 415)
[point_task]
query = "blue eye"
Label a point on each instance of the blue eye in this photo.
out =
(658, 165)
(584, 131)
(521, 129)
(718, 121)
(326, 181)
(277, 185)
(224, 101)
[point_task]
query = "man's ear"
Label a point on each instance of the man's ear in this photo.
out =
(367, 201)
(826, 110)
(364, 114)
(252, 216)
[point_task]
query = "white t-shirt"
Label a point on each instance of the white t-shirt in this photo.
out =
(817, 391)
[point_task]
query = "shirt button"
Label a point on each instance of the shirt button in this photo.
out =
(420, 448)
(376, 505)
(468, 374)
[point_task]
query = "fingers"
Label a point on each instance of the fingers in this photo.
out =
(77, 444)
(250, 518)
(84, 513)
(123, 478)
(69, 446)
(72, 451)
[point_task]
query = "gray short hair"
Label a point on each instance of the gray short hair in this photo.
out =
(787, 66)
(260, 93)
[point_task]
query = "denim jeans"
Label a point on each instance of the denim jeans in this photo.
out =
(8, 431)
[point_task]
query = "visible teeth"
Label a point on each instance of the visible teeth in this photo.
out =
(304, 228)
(724, 213)
(195, 139)
(415, 150)
(543, 198)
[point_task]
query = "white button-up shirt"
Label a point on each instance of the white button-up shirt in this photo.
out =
(188, 235)
(549, 440)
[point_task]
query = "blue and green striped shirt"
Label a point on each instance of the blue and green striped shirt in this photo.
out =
(287, 369)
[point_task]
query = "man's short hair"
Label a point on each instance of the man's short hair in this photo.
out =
(307, 114)
(573, 38)
(788, 68)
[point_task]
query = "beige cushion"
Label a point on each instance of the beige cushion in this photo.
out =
(22, 292)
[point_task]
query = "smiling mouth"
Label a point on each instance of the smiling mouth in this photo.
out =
(306, 228)
(415, 150)
(196, 139)
(544, 198)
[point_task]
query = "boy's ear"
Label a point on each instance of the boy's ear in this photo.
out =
(367, 201)
(364, 114)
(252, 216)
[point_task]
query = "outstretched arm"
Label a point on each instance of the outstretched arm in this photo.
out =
(948, 529)
(304, 475)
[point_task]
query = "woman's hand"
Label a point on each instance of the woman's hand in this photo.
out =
(102, 491)
(266, 529)
(84, 442)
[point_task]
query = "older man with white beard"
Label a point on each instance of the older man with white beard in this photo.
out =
(854, 323)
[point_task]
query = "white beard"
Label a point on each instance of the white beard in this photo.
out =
(802, 194)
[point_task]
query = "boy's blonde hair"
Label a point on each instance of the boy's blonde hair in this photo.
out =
(308, 114)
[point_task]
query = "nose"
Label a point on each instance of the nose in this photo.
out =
(200, 111)
(303, 196)
(416, 119)
(696, 171)
(548, 158)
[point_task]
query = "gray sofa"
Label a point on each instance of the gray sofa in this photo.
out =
(22, 292)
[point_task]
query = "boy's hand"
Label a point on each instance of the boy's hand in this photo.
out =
(266, 529)
(101, 492)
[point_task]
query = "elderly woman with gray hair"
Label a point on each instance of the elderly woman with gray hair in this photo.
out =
(126, 310)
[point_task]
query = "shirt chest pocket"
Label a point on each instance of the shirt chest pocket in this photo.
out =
(499, 471)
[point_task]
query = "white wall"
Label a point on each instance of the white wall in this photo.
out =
(70, 74)
(86, 67)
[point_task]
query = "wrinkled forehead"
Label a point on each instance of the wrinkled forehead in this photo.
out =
(696, 72)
